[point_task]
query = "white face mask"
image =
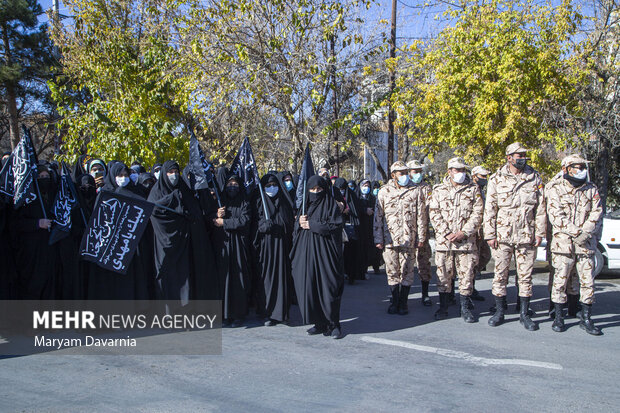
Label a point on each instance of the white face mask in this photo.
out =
(157, 174)
(582, 174)
(122, 181)
(271, 191)
(459, 177)
(134, 177)
(174, 178)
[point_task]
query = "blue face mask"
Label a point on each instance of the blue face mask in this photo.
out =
(288, 185)
(271, 191)
(416, 178)
(403, 180)
(375, 191)
(366, 190)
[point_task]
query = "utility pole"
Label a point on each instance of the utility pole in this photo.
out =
(392, 114)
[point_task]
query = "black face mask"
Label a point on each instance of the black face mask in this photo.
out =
(574, 181)
(232, 191)
(315, 196)
(87, 191)
(44, 184)
(482, 183)
(520, 163)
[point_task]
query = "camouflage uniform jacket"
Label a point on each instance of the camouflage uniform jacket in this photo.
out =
(455, 208)
(573, 211)
(514, 211)
(400, 216)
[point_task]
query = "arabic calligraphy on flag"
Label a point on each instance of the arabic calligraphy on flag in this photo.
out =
(114, 230)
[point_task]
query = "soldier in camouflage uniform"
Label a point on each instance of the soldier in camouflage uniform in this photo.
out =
(399, 229)
(480, 176)
(575, 211)
(456, 210)
(514, 223)
(423, 255)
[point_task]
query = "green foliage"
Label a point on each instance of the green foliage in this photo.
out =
(120, 96)
(492, 78)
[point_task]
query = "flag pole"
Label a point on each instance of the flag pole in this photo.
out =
(303, 201)
(262, 197)
(36, 184)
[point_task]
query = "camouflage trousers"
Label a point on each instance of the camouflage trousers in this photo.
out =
(399, 265)
(423, 260)
(565, 279)
(483, 256)
(525, 255)
(453, 263)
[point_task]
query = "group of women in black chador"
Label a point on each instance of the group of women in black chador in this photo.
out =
(266, 250)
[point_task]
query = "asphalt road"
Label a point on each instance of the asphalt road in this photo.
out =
(384, 363)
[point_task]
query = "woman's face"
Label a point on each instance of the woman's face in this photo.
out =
(123, 174)
(316, 189)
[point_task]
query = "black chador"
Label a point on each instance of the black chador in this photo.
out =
(36, 261)
(353, 256)
(232, 245)
(179, 260)
(317, 260)
(272, 243)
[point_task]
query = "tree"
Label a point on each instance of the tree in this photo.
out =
(121, 95)
(26, 54)
(274, 57)
(492, 78)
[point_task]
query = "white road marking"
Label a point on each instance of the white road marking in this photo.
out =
(462, 355)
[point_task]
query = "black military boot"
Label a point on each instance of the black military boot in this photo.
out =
(393, 308)
(465, 309)
(586, 322)
(475, 295)
(572, 304)
(551, 309)
(402, 303)
(451, 296)
(558, 321)
(500, 308)
(524, 317)
(426, 301)
(442, 313)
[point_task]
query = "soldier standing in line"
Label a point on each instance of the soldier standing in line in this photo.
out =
(575, 211)
(423, 254)
(399, 229)
(480, 176)
(456, 210)
(515, 220)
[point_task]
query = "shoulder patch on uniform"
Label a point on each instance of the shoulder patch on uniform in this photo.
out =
(596, 196)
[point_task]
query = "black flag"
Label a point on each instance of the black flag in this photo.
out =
(307, 170)
(24, 171)
(114, 230)
(7, 180)
(245, 168)
(66, 200)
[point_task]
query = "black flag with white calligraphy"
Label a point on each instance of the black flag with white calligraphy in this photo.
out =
(66, 200)
(114, 230)
(7, 180)
(245, 168)
(199, 166)
(307, 170)
(25, 171)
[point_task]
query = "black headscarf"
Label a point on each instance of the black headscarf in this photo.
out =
(179, 198)
(289, 195)
(142, 182)
(221, 177)
(321, 206)
(109, 182)
(350, 200)
(155, 166)
(87, 191)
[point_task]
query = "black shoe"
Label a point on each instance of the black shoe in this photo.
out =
(316, 329)
(442, 313)
(426, 301)
(237, 323)
(476, 296)
(572, 304)
(271, 323)
(466, 311)
(335, 333)
(558, 321)
(524, 317)
(403, 309)
(586, 322)
(395, 290)
(451, 294)
(500, 308)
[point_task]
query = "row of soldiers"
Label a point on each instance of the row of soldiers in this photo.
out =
(511, 219)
